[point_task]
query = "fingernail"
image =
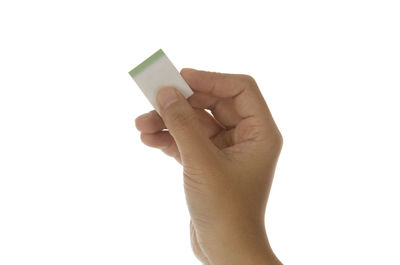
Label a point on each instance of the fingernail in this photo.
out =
(166, 96)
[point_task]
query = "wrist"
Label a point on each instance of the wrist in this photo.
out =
(241, 248)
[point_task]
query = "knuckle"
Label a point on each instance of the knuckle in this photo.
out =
(248, 79)
(215, 78)
(279, 139)
(250, 132)
(276, 140)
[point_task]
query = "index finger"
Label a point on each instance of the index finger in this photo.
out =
(247, 98)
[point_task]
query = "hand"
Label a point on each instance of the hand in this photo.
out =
(228, 161)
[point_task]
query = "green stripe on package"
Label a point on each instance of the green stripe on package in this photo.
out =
(156, 72)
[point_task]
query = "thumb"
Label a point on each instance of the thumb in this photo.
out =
(183, 124)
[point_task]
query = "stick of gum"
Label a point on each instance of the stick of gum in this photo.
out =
(156, 72)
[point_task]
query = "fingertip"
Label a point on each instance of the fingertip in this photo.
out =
(189, 73)
(143, 138)
(158, 140)
(138, 121)
(187, 70)
(147, 139)
(141, 121)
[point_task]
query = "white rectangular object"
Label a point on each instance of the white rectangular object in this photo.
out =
(156, 72)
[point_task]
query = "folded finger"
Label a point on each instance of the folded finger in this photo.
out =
(149, 122)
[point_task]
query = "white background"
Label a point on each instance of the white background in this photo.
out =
(78, 187)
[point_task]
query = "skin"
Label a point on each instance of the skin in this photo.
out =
(228, 160)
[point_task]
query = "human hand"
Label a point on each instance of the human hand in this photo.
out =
(228, 161)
